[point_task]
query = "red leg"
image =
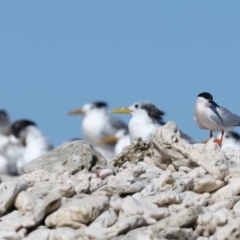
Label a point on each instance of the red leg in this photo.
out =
(219, 141)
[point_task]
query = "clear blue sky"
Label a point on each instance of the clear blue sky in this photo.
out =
(57, 55)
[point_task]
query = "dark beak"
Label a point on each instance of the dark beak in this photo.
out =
(215, 104)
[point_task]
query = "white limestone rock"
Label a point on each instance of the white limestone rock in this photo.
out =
(190, 199)
(209, 156)
(230, 231)
(171, 233)
(150, 212)
(121, 226)
(208, 222)
(62, 233)
(43, 182)
(8, 191)
(122, 189)
(10, 235)
(75, 213)
(71, 156)
(226, 192)
(164, 198)
(105, 220)
(133, 153)
(232, 157)
(181, 219)
(29, 204)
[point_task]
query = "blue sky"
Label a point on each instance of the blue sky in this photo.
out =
(57, 55)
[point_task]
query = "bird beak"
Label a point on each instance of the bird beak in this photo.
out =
(121, 110)
(108, 139)
(215, 104)
(76, 112)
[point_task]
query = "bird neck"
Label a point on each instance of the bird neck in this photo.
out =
(34, 136)
(96, 113)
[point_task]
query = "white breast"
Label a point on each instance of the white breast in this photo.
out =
(92, 127)
(142, 128)
(201, 115)
(122, 142)
(36, 146)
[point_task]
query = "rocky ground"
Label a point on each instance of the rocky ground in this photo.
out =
(164, 190)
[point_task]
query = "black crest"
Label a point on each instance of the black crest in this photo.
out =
(206, 95)
(4, 119)
(100, 104)
(19, 126)
(3, 114)
(233, 135)
(152, 111)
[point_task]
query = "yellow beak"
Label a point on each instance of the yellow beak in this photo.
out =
(121, 110)
(76, 112)
(108, 139)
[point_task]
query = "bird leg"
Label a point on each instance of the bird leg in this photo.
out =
(211, 135)
(219, 141)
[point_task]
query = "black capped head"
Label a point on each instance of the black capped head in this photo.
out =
(3, 114)
(4, 118)
(19, 126)
(100, 104)
(208, 98)
(5, 122)
(150, 108)
(206, 95)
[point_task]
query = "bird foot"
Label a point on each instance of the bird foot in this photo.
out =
(218, 141)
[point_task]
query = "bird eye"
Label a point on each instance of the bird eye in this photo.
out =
(226, 136)
(136, 105)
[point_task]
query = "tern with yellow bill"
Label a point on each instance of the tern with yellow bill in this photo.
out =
(146, 117)
(98, 124)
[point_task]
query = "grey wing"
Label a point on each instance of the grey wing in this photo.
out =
(199, 124)
(113, 126)
(223, 117)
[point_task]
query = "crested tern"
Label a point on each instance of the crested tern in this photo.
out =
(146, 117)
(209, 115)
(35, 143)
(98, 124)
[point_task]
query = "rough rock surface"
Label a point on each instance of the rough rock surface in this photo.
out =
(72, 157)
(167, 189)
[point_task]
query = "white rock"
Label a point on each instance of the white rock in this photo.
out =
(119, 227)
(71, 156)
(106, 219)
(226, 192)
(181, 219)
(209, 156)
(149, 211)
(8, 191)
(9, 235)
(230, 231)
(77, 212)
